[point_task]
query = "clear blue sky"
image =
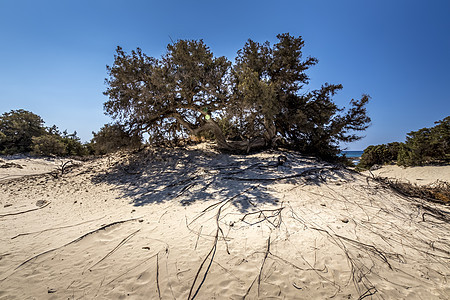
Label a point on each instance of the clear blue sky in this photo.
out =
(53, 53)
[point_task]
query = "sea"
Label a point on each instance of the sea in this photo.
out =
(355, 156)
(352, 154)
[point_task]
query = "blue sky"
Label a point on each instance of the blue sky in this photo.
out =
(53, 53)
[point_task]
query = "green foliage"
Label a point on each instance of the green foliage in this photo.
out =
(48, 145)
(56, 143)
(257, 102)
(427, 145)
(113, 137)
(379, 155)
(22, 131)
(169, 97)
(17, 129)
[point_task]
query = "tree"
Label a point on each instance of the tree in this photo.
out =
(17, 129)
(427, 145)
(271, 105)
(113, 137)
(170, 97)
(257, 102)
(381, 154)
(48, 145)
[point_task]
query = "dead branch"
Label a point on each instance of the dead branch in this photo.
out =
(249, 288)
(211, 254)
(55, 228)
(371, 291)
(302, 174)
(275, 213)
(25, 211)
(262, 265)
(223, 202)
(198, 236)
(75, 241)
(157, 275)
(115, 249)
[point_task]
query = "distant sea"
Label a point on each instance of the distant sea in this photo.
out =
(352, 154)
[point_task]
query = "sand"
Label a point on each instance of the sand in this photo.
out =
(416, 175)
(185, 224)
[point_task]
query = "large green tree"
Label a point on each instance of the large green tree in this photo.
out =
(259, 101)
(270, 103)
(17, 129)
(168, 97)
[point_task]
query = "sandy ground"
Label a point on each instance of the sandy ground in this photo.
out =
(415, 175)
(198, 224)
(15, 166)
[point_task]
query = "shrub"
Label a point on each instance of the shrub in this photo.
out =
(48, 145)
(17, 129)
(113, 137)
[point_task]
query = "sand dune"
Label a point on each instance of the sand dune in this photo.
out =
(184, 224)
(415, 175)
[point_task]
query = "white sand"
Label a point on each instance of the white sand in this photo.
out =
(415, 175)
(215, 226)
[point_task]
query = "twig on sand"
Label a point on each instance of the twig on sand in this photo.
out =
(115, 249)
(210, 255)
(223, 202)
(198, 236)
(304, 173)
(25, 211)
(249, 288)
(264, 261)
(54, 228)
(75, 241)
(371, 291)
(157, 275)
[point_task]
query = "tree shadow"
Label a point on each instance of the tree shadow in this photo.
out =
(157, 176)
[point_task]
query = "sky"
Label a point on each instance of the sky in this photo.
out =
(53, 54)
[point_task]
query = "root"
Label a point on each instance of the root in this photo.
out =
(25, 211)
(115, 249)
(74, 241)
(55, 228)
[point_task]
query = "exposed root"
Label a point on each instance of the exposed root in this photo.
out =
(55, 228)
(74, 241)
(115, 249)
(26, 211)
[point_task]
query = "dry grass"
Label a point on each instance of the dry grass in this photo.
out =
(438, 191)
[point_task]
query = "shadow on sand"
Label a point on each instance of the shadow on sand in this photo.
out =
(186, 176)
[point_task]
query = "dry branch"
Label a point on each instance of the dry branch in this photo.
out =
(75, 241)
(264, 261)
(302, 174)
(157, 275)
(55, 228)
(25, 211)
(115, 249)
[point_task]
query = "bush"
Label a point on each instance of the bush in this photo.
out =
(113, 137)
(424, 146)
(379, 155)
(17, 129)
(48, 145)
